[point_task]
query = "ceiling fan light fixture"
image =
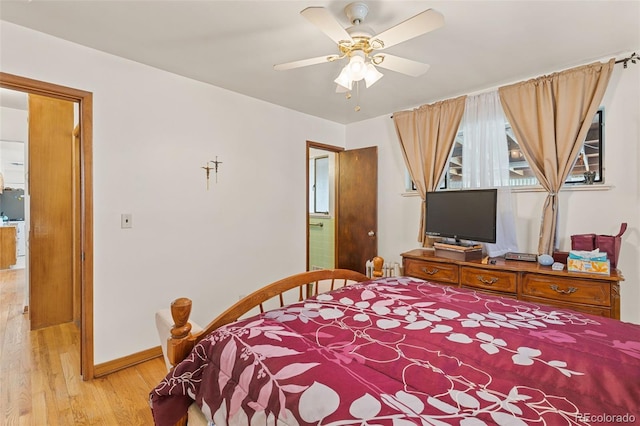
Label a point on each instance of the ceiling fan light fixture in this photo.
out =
(357, 67)
(344, 78)
(342, 89)
(371, 75)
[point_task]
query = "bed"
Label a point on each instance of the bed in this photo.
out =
(399, 351)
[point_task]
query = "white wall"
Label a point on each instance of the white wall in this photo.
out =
(580, 211)
(152, 133)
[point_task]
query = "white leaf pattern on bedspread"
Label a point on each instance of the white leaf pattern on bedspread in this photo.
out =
(399, 351)
(310, 409)
(365, 407)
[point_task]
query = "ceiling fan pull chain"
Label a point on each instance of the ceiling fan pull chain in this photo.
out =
(357, 108)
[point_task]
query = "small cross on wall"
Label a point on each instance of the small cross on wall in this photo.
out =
(207, 167)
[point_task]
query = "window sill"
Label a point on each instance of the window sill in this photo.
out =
(537, 188)
(566, 188)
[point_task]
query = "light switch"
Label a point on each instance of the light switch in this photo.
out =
(125, 220)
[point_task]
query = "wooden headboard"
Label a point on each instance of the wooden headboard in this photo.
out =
(307, 284)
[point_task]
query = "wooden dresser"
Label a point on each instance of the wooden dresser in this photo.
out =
(591, 293)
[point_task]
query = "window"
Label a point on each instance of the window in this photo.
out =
(589, 159)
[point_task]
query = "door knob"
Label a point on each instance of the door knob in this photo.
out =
(371, 233)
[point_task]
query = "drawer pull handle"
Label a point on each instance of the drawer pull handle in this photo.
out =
(567, 291)
(490, 281)
(430, 272)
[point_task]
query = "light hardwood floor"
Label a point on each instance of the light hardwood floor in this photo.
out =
(40, 382)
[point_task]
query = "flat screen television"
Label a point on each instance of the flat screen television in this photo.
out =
(463, 215)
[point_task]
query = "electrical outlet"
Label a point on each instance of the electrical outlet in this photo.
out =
(125, 220)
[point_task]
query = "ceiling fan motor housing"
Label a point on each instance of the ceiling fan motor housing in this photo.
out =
(360, 31)
(356, 12)
(360, 34)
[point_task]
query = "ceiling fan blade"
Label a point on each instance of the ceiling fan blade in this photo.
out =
(401, 65)
(327, 23)
(305, 62)
(422, 23)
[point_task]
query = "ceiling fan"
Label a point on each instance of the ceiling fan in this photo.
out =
(364, 48)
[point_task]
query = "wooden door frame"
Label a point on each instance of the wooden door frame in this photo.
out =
(84, 259)
(324, 147)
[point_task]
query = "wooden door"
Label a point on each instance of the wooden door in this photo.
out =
(51, 218)
(357, 208)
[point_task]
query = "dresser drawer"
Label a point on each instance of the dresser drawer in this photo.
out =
(432, 271)
(488, 279)
(575, 290)
(602, 311)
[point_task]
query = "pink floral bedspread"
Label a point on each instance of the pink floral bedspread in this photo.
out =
(401, 351)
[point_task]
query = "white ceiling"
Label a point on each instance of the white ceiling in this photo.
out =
(234, 44)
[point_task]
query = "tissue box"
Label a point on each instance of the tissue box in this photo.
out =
(591, 266)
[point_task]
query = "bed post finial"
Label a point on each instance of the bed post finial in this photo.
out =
(180, 311)
(378, 262)
(181, 341)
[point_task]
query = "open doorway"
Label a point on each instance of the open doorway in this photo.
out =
(13, 136)
(14, 211)
(341, 206)
(39, 139)
(321, 218)
(79, 167)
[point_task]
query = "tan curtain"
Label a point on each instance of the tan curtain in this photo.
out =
(550, 117)
(426, 135)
